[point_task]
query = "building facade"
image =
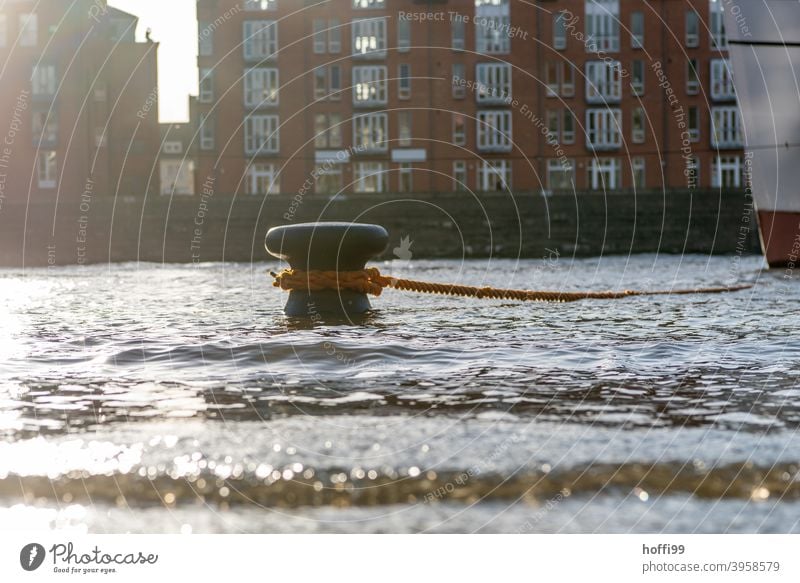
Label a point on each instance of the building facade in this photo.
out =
(487, 95)
(78, 110)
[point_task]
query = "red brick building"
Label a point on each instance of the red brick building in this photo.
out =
(79, 106)
(408, 96)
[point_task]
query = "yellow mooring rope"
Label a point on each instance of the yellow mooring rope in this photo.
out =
(370, 281)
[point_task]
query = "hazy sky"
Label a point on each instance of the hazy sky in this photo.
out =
(174, 25)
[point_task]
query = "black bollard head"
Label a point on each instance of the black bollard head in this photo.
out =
(327, 247)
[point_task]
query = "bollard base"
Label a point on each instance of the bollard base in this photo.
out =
(326, 303)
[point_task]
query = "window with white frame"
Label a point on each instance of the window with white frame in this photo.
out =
(637, 77)
(460, 176)
(559, 31)
(693, 123)
(369, 37)
(334, 36)
(261, 135)
(404, 81)
(369, 85)
(366, 4)
(3, 30)
(45, 127)
(459, 89)
(404, 128)
(727, 172)
(692, 38)
(370, 132)
(692, 172)
(603, 129)
(604, 174)
(721, 81)
(177, 177)
(370, 177)
(459, 129)
(559, 79)
(260, 87)
(692, 77)
(403, 35)
(205, 39)
(494, 131)
(206, 92)
(637, 125)
(328, 130)
(602, 25)
(638, 169)
(457, 33)
(334, 82)
(207, 132)
(552, 119)
(320, 28)
(718, 38)
(260, 5)
(493, 82)
(320, 82)
(492, 26)
(637, 30)
(28, 29)
(43, 80)
(328, 179)
(494, 175)
(560, 174)
(725, 127)
(603, 81)
(46, 168)
(262, 178)
(175, 147)
(405, 178)
(568, 127)
(260, 39)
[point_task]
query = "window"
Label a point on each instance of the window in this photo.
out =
(716, 24)
(46, 168)
(460, 176)
(257, 5)
(3, 30)
(177, 177)
(261, 135)
(559, 31)
(459, 129)
(335, 82)
(694, 123)
(692, 77)
(260, 39)
(370, 177)
(368, 3)
(43, 81)
(637, 77)
(320, 36)
(205, 36)
(692, 172)
(727, 172)
(721, 81)
(725, 128)
(260, 87)
(369, 86)
(559, 79)
(494, 175)
(638, 173)
(637, 30)
(494, 131)
(328, 179)
(405, 181)
(100, 91)
(370, 132)
(457, 33)
(459, 90)
(403, 35)
(28, 30)
(568, 128)
(320, 83)
(327, 130)
(553, 121)
(334, 36)
(603, 129)
(45, 128)
(560, 175)
(602, 25)
(369, 37)
(100, 137)
(692, 29)
(603, 81)
(206, 94)
(404, 81)
(172, 148)
(404, 128)
(493, 82)
(263, 179)
(637, 126)
(492, 26)
(604, 174)
(207, 133)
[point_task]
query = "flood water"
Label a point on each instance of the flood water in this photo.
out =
(178, 398)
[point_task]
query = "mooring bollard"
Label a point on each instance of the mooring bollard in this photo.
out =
(326, 247)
